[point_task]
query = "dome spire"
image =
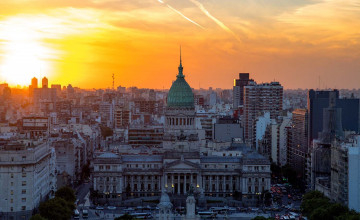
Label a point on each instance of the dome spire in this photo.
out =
(181, 75)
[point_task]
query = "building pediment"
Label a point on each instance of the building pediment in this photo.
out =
(182, 165)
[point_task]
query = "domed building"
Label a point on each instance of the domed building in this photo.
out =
(180, 129)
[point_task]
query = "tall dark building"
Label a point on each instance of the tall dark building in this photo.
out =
(238, 89)
(298, 142)
(318, 101)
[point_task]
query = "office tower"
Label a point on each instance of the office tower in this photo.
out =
(320, 151)
(319, 100)
(238, 89)
(298, 141)
(45, 83)
(260, 98)
(34, 82)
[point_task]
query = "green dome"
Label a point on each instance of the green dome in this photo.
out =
(180, 93)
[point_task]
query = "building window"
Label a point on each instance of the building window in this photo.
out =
(12, 209)
(23, 208)
(226, 166)
(23, 199)
(107, 167)
(11, 200)
(11, 192)
(101, 167)
(11, 175)
(12, 183)
(23, 175)
(23, 183)
(23, 191)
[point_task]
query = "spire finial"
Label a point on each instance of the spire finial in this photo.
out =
(180, 67)
(180, 56)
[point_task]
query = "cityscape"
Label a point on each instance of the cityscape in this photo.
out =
(153, 125)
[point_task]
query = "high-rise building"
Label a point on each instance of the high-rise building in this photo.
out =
(34, 82)
(238, 89)
(122, 117)
(45, 83)
(34, 85)
(260, 98)
(319, 100)
(298, 141)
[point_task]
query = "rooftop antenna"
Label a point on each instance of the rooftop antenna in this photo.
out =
(113, 81)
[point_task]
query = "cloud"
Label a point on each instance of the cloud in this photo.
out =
(181, 14)
(217, 21)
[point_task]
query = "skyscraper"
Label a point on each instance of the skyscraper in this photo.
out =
(238, 89)
(34, 82)
(260, 98)
(319, 100)
(45, 83)
(298, 141)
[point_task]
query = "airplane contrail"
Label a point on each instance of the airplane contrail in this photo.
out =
(217, 21)
(182, 15)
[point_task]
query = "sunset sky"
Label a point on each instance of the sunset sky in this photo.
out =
(83, 42)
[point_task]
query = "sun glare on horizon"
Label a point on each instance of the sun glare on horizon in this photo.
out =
(23, 54)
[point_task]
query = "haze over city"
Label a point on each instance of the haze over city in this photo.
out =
(85, 42)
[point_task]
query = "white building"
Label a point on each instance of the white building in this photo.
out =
(354, 177)
(261, 125)
(27, 177)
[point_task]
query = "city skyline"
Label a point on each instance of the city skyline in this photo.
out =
(302, 44)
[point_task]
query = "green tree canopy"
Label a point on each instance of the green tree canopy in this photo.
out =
(66, 193)
(125, 217)
(316, 206)
(37, 217)
(55, 209)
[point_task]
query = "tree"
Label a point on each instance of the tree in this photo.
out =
(313, 200)
(55, 209)
(66, 193)
(37, 217)
(316, 206)
(124, 217)
(262, 218)
(337, 210)
(313, 195)
(321, 214)
(106, 132)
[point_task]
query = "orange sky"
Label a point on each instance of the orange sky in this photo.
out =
(84, 42)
